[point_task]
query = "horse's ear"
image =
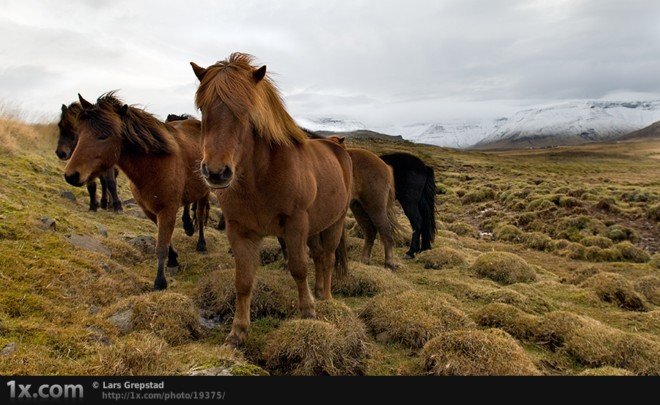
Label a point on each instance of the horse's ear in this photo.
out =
(123, 110)
(259, 74)
(84, 103)
(63, 107)
(200, 72)
(341, 139)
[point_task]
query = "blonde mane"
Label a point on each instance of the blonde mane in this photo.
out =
(231, 81)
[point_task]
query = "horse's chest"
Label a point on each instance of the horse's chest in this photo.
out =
(252, 213)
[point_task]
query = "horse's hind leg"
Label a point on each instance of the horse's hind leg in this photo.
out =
(316, 249)
(172, 257)
(165, 220)
(382, 223)
(188, 226)
(111, 183)
(295, 237)
(368, 228)
(330, 239)
(201, 213)
(245, 246)
(104, 192)
(91, 189)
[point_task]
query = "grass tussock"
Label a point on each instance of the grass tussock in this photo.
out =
(441, 257)
(411, 318)
(594, 344)
(139, 353)
(614, 288)
(273, 294)
(514, 321)
(309, 347)
(490, 352)
(366, 280)
(649, 287)
(170, 316)
(604, 372)
(504, 268)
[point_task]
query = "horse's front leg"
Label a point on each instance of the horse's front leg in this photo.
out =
(295, 238)
(245, 246)
(165, 220)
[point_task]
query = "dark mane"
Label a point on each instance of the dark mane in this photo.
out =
(230, 81)
(175, 117)
(311, 134)
(140, 130)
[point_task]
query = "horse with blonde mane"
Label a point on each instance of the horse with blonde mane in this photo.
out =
(270, 180)
(160, 159)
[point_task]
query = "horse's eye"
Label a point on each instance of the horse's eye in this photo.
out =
(103, 136)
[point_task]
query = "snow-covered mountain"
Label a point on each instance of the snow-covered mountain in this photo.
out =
(568, 123)
(572, 123)
(330, 124)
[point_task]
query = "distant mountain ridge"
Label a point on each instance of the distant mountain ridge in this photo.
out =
(567, 123)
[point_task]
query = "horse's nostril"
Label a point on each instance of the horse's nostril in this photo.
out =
(204, 169)
(221, 176)
(61, 154)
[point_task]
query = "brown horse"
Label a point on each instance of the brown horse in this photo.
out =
(66, 143)
(372, 202)
(160, 159)
(270, 180)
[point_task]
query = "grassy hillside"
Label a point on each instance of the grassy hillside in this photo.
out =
(545, 262)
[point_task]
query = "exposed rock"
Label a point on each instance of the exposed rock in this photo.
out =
(144, 243)
(122, 320)
(68, 195)
(213, 372)
(48, 223)
(103, 231)
(9, 349)
(89, 243)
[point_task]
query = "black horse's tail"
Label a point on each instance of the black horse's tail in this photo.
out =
(427, 209)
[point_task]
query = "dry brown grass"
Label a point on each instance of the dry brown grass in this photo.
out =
(614, 288)
(366, 280)
(441, 257)
(594, 344)
(273, 294)
(488, 352)
(309, 347)
(140, 353)
(649, 287)
(504, 268)
(604, 371)
(516, 322)
(171, 316)
(412, 318)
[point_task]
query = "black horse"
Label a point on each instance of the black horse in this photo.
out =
(414, 183)
(66, 143)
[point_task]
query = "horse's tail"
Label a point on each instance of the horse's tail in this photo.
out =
(397, 229)
(427, 209)
(341, 256)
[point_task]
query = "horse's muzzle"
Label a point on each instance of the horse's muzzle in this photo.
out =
(73, 179)
(219, 179)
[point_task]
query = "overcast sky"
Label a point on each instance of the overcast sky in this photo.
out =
(381, 62)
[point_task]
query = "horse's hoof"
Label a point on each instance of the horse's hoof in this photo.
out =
(391, 266)
(160, 284)
(173, 269)
(201, 247)
(118, 209)
(104, 205)
(93, 208)
(408, 256)
(235, 339)
(309, 313)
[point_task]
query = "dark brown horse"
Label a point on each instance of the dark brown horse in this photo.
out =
(372, 202)
(160, 159)
(270, 180)
(66, 143)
